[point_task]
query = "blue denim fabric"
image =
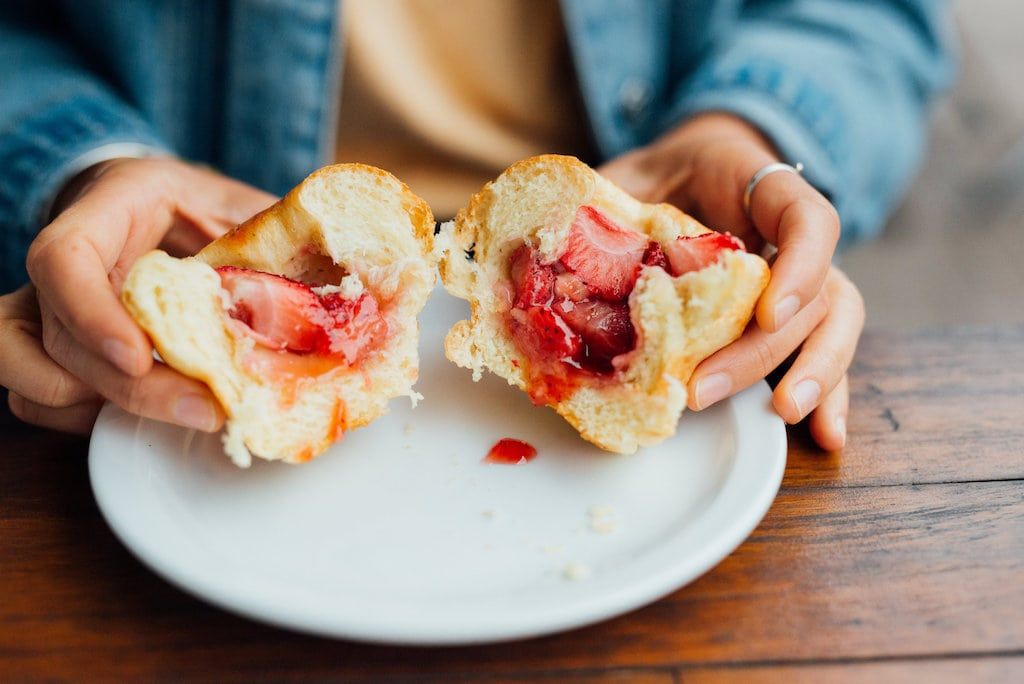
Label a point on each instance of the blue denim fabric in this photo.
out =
(251, 87)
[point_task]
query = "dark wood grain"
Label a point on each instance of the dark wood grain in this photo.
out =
(944, 405)
(902, 559)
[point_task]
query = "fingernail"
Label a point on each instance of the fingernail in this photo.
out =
(121, 355)
(785, 310)
(805, 396)
(195, 411)
(841, 431)
(711, 389)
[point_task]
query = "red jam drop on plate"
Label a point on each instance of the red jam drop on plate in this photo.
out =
(511, 452)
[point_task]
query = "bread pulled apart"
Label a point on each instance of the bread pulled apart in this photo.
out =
(594, 303)
(302, 320)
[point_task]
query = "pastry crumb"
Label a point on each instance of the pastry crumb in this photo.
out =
(600, 519)
(575, 571)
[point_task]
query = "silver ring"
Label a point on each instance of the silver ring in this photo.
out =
(762, 174)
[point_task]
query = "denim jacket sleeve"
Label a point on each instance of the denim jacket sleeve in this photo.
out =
(55, 112)
(840, 85)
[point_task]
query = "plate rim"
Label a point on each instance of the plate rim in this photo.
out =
(755, 476)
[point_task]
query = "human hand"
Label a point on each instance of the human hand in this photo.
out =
(66, 342)
(703, 167)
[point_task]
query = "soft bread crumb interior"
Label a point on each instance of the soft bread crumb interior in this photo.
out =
(679, 321)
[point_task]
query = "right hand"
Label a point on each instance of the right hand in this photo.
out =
(66, 342)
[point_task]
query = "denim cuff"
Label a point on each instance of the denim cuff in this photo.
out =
(799, 119)
(41, 152)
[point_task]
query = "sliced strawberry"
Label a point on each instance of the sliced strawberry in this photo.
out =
(569, 286)
(604, 255)
(606, 331)
(533, 280)
(358, 325)
(286, 315)
(654, 255)
(687, 253)
(282, 313)
(539, 331)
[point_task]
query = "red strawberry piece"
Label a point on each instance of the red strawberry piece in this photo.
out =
(282, 313)
(533, 280)
(357, 325)
(569, 286)
(604, 255)
(540, 331)
(654, 255)
(606, 331)
(687, 253)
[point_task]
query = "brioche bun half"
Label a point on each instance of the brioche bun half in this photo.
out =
(346, 221)
(679, 321)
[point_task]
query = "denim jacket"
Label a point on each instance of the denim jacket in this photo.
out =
(252, 88)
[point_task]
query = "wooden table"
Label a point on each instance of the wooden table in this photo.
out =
(902, 558)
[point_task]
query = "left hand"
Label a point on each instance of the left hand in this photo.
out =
(703, 167)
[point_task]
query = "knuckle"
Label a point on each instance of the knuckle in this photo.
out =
(818, 308)
(829, 364)
(56, 341)
(831, 214)
(855, 296)
(16, 404)
(22, 409)
(59, 392)
(860, 310)
(48, 256)
(851, 296)
(132, 395)
(823, 213)
(39, 252)
(764, 357)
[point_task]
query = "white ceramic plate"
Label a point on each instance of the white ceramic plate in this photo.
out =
(401, 534)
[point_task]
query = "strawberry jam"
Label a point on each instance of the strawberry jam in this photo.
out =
(511, 452)
(571, 317)
(285, 315)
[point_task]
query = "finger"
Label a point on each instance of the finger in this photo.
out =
(826, 354)
(70, 270)
(805, 228)
(77, 418)
(750, 358)
(161, 394)
(25, 367)
(21, 305)
(828, 422)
